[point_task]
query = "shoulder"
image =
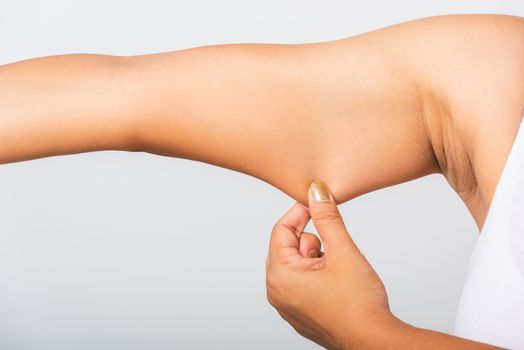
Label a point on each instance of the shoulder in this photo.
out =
(470, 71)
(475, 68)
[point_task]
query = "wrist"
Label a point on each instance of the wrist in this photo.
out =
(381, 331)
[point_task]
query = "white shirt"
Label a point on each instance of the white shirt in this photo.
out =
(491, 309)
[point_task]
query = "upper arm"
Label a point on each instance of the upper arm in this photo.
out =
(343, 111)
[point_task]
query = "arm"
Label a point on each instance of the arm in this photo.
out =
(62, 105)
(335, 298)
(402, 336)
(360, 113)
(283, 113)
(286, 114)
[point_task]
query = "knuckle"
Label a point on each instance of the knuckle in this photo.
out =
(328, 216)
(280, 225)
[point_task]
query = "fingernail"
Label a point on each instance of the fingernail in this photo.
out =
(312, 253)
(320, 191)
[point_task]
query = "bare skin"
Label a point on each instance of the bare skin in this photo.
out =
(335, 298)
(360, 113)
(442, 94)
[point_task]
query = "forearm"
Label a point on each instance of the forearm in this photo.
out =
(427, 340)
(388, 332)
(62, 105)
(395, 334)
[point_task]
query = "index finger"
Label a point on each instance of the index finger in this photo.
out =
(284, 241)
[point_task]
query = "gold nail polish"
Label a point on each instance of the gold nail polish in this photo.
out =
(320, 191)
(313, 253)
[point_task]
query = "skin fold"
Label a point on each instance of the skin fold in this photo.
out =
(437, 95)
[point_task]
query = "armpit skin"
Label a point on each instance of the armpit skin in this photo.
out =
(442, 94)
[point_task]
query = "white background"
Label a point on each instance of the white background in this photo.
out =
(110, 250)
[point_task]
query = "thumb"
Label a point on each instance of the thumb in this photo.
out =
(326, 218)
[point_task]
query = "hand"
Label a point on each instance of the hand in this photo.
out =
(334, 297)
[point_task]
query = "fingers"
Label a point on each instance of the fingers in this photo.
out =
(326, 217)
(309, 245)
(284, 241)
(287, 238)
